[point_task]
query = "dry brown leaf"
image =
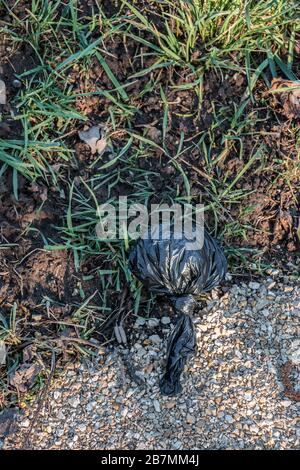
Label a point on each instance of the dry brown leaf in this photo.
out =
(8, 421)
(29, 352)
(289, 97)
(153, 133)
(239, 79)
(289, 390)
(94, 138)
(24, 377)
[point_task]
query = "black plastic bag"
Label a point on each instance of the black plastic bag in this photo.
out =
(168, 267)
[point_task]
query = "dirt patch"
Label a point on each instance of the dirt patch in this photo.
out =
(14, 59)
(39, 289)
(26, 268)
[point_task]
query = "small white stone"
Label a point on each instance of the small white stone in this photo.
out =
(176, 445)
(165, 320)
(16, 83)
(294, 351)
(81, 427)
(152, 322)
(229, 419)
(288, 289)
(61, 415)
(155, 339)
(254, 429)
(89, 407)
(25, 423)
(238, 353)
(156, 405)
(190, 419)
(140, 322)
(202, 327)
(286, 403)
(254, 285)
(74, 401)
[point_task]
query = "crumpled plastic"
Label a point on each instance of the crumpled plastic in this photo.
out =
(167, 267)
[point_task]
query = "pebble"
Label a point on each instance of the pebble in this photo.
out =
(82, 427)
(254, 429)
(248, 396)
(294, 352)
(286, 403)
(152, 322)
(155, 339)
(25, 423)
(229, 419)
(190, 419)
(139, 322)
(156, 405)
(288, 289)
(60, 414)
(254, 285)
(176, 445)
(74, 401)
(16, 83)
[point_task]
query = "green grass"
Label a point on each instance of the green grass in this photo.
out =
(216, 33)
(185, 37)
(176, 51)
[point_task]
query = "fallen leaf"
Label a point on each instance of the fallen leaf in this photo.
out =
(36, 215)
(2, 92)
(153, 133)
(286, 220)
(287, 93)
(239, 79)
(8, 421)
(2, 353)
(29, 352)
(24, 377)
(289, 390)
(94, 138)
(38, 191)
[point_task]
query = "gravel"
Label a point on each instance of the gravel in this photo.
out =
(233, 396)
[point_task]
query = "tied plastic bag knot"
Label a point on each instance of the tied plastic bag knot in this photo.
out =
(185, 304)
